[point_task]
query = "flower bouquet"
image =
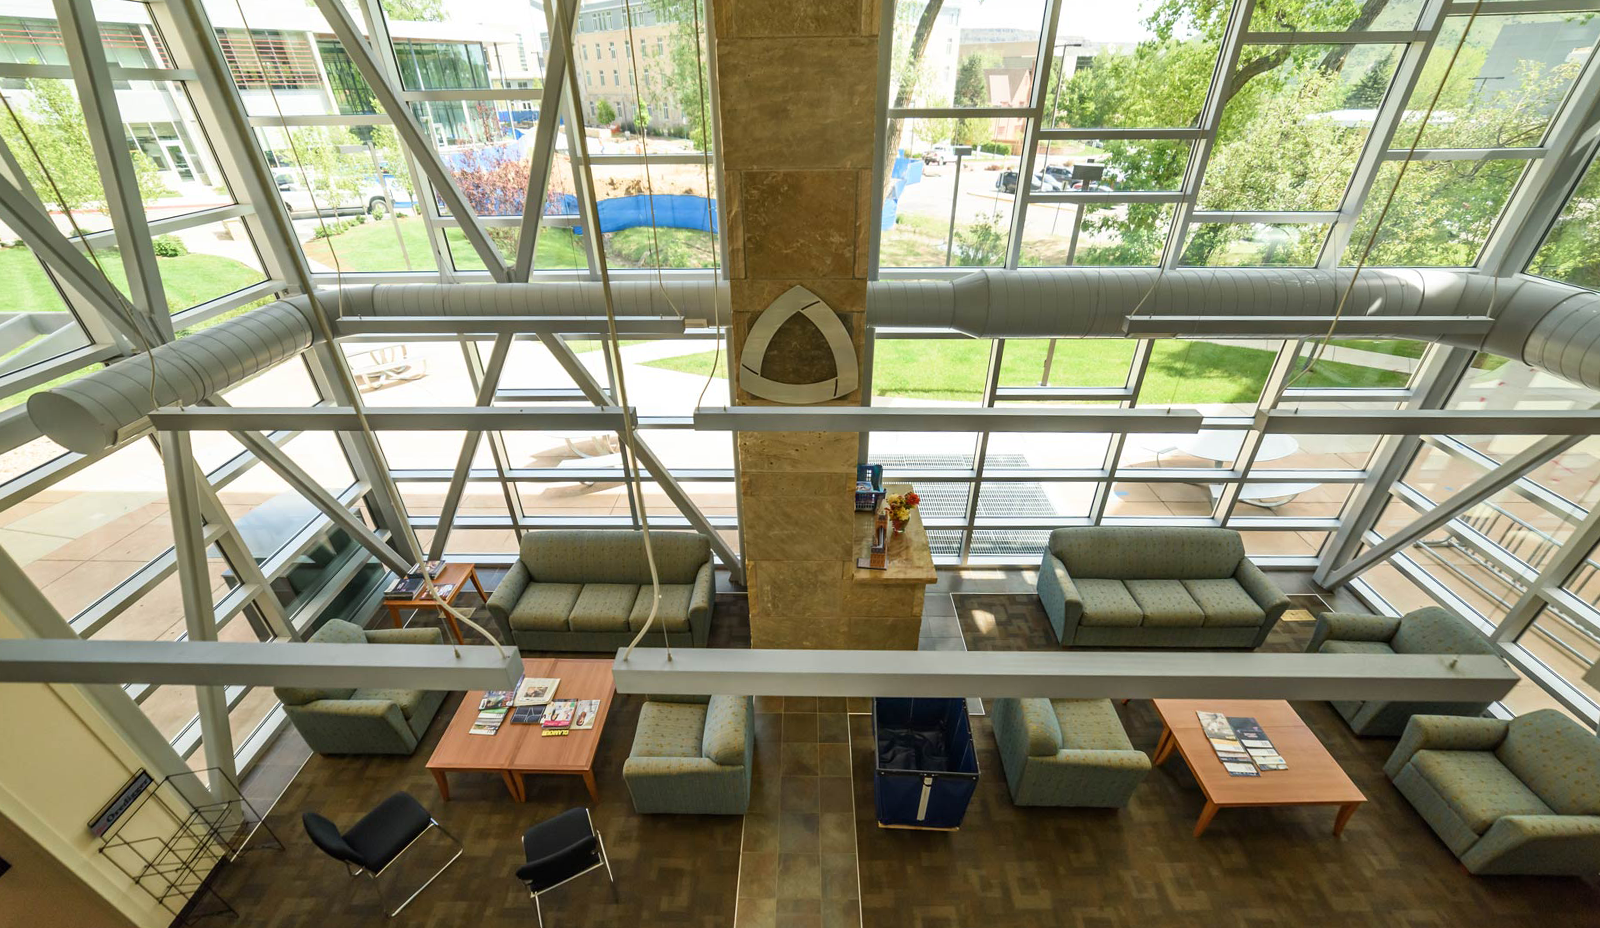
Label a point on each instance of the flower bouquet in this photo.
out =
(899, 506)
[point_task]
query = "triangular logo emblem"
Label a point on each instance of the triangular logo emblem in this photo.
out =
(798, 299)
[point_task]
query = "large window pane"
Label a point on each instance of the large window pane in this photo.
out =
(977, 55)
(1563, 647)
(1333, 15)
(645, 77)
(920, 227)
(1288, 139)
(1239, 244)
(1571, 252)
(1442, 212)
(1127, 65)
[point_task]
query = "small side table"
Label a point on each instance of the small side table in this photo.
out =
(458, 574)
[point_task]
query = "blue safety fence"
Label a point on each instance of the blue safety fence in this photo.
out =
(672, 211)
(906, 171)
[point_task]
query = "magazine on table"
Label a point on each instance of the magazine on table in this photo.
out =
(410, 586)
(559, 713)
(527, 715)
(497, 699)
(1256, 742)
(584, 717)
(1230, 751)
(488, 722)
(536, 691)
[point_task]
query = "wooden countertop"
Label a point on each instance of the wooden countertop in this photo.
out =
(910, 561)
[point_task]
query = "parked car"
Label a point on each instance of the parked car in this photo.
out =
(1042, 183)
(940, 153)
(1063, 173)
(368, 198)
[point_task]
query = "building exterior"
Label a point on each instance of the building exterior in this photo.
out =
(605, 49)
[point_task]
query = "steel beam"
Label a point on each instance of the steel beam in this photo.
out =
(1571, 422)
(506, 325)
(489, 382)
(1065, 675)
(544, 147)
(391, 418)
(410, 132)
(215, 664)
(1298, 326)
(943, 419)
(1471, 495)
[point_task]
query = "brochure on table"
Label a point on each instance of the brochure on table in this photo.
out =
(1241, 745)
(536, 691)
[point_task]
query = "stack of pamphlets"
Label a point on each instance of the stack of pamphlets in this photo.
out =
(584, 717)
(488, 721)
(527, 715)
(497, 699)
(536, 691)
(1255, 741)
(558, 716)
(1235, 759)
(410, 586)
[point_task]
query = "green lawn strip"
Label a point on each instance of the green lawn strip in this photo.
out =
(188, 279)
(1180, 372)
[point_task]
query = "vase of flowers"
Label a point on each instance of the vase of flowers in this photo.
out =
(899, 506)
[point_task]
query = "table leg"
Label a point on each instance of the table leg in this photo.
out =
(1206, 815)
(474, 578)
(515, 784)
(1343, 818)
(444, 784)
(594, 791)
(450, 620)
(394, 614)
(1163, 746)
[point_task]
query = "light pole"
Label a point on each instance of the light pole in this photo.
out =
(950, 238)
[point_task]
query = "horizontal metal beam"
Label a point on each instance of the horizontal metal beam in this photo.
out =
(391, 419)
(497, 325)
(1434, 422)
(1065, 675)
(1363, 36)
(1292, 326)
(265, 663)
(942, 419)
(1047, 135)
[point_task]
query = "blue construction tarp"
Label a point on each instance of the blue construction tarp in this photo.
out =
(671, 210)
(906, 171)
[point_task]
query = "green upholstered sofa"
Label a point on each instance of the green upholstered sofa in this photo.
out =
(345, 720)
(1066, 752)
(1517, 797)
(590, 590)
(692, 755)
(1430, 630)
(1156, 587)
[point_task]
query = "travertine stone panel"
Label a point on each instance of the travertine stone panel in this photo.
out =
(799, 224)
(881, 600)
(775, 18)
(798, 452)
(797, 103)
(809, 527)
(831, 485)
(795, 588)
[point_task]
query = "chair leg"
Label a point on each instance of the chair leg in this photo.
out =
(538, 912)
(460, 849)
(606, 859)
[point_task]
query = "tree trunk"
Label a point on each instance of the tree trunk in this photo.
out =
(908, 87)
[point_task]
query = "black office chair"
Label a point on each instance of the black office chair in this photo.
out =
(562, 849)
(378, 840)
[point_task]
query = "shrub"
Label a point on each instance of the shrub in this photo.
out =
(169, 246)
(995, 148)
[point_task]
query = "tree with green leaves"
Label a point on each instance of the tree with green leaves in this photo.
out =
(603, 113)
(686, 76)
(333, 177)
(417, 11)
(50, 132)
(972, 89)
(1368, 92)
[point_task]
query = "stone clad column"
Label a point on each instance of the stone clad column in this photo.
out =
(797, 83)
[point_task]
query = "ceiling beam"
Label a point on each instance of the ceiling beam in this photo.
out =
(393, 418)
(1434, 422)
(507, 325)
(1299, 326)
(942, 419)
(1065, 675)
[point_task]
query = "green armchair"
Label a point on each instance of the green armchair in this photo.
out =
(1507, 797)
(1430, 630)
(1066, 752)
(692, 755)
(346, 720)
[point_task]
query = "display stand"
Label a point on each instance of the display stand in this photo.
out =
(173, 864)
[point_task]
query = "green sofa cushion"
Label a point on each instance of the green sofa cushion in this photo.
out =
(544, 607)
(606, 556)
(1166, 604)
(333, 631)
(603, 607)
(1557, 758)
(726, 724)
(1477, 787)
(1143, 553)
(1355, 647)
(1225, 603)
(1090, 725)
(673, 610)
(1434, 630)
(1107, 602)
(670, 729)
(407, 700)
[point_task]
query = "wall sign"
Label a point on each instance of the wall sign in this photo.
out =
(799, 300)
(119, 803)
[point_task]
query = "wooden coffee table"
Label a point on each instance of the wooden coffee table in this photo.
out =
(517, 750)
(1313, 778)
(456, 573)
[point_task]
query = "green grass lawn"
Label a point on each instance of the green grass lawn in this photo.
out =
(1180, 372)
(188, 280)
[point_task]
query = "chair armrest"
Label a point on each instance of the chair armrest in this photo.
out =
(670, 766)
(1059, 595)
(582, 851)
(1103, 759)
(505, 596)
(1352, 626)
(405, 636)
(1553, 844)
(1261, 589)
(1444, 733)
(700, 598)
